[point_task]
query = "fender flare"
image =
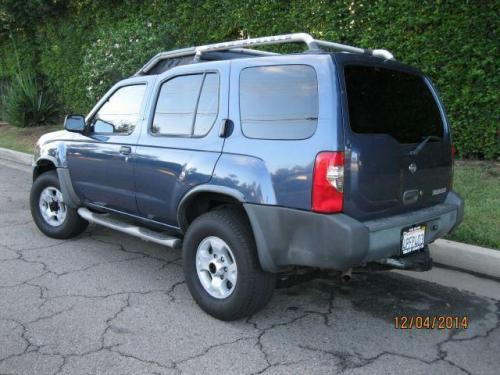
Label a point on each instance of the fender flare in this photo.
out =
(48, 158)
(55, 153)
(70, 197)
(200, 189)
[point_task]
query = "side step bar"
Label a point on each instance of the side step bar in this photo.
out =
(133, 230)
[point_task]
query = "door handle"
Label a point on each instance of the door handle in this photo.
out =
(125, 150)
(411, 196)
(226, 128)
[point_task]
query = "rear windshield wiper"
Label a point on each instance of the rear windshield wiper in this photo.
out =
(422, 144)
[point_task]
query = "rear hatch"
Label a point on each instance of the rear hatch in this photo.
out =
(398, 151)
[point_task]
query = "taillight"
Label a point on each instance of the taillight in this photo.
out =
(328, 182)
(453, 151)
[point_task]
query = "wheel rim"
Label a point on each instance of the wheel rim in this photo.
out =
(216, 267)
(52, 206)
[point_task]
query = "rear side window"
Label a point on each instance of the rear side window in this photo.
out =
(187, 105)
(208, 105)
(279, 102)
(386, 101)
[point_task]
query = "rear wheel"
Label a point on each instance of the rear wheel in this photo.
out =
(221, 266)
(50, 213)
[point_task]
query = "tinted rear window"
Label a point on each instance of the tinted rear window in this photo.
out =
(385, 101)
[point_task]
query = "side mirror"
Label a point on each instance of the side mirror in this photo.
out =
(103, 127)
(74, 123)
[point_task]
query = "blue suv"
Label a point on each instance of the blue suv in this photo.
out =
(257, 163)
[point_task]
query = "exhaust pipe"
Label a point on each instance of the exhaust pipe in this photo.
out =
(346, 276)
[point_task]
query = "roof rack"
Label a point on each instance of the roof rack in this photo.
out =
(241, 46)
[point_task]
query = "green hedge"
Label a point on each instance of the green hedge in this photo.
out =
(84, 46)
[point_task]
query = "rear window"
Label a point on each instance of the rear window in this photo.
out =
(183, 110)
(385, 101)
(279, 101)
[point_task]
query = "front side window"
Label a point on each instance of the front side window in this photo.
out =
(279, 102)
(121, 112)
(187, 105)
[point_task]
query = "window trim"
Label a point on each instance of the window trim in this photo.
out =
(110, 94)
(272, 65)
(157, 96)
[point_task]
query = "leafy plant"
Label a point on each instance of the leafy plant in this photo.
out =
(2, 89)
(84, 46)
(28, 103)
(118, 52)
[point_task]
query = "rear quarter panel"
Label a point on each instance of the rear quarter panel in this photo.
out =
(279, 172)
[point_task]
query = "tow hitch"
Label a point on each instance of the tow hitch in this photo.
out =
(420, 261)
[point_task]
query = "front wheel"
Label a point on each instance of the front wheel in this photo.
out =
(221, 266)
(50, 213)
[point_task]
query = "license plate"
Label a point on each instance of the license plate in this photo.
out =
(412, 239)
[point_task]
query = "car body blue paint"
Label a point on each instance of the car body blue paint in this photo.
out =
(247, 175)
(51, 147)
(152, 181)
(163, 176)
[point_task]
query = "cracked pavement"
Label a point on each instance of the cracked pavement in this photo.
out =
(107, 303)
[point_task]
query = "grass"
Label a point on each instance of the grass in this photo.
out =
(22, 139)
(478, 182)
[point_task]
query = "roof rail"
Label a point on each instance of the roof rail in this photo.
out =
(240, 46)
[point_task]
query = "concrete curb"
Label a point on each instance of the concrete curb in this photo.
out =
(448, 253)
(16, 156)
(466, 257)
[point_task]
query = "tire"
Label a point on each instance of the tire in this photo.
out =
(253, 287)
(63, 226)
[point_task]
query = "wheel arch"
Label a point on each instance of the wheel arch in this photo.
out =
(46, 164)
(204, 198)
(43, 165)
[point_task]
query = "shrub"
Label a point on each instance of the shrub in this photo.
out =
(84, 46)
(28, 103)
(118, 52)
(2, 90)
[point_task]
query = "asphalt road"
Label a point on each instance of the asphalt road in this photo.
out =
(106, 303)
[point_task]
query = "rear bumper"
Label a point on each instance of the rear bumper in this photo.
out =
(287, 237)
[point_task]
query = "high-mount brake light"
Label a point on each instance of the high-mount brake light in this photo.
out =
(328, 182)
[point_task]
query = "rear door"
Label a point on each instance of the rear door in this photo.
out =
(180, 143)
(398, 151)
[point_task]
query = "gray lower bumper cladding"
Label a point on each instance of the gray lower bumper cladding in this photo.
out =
(288, 237)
